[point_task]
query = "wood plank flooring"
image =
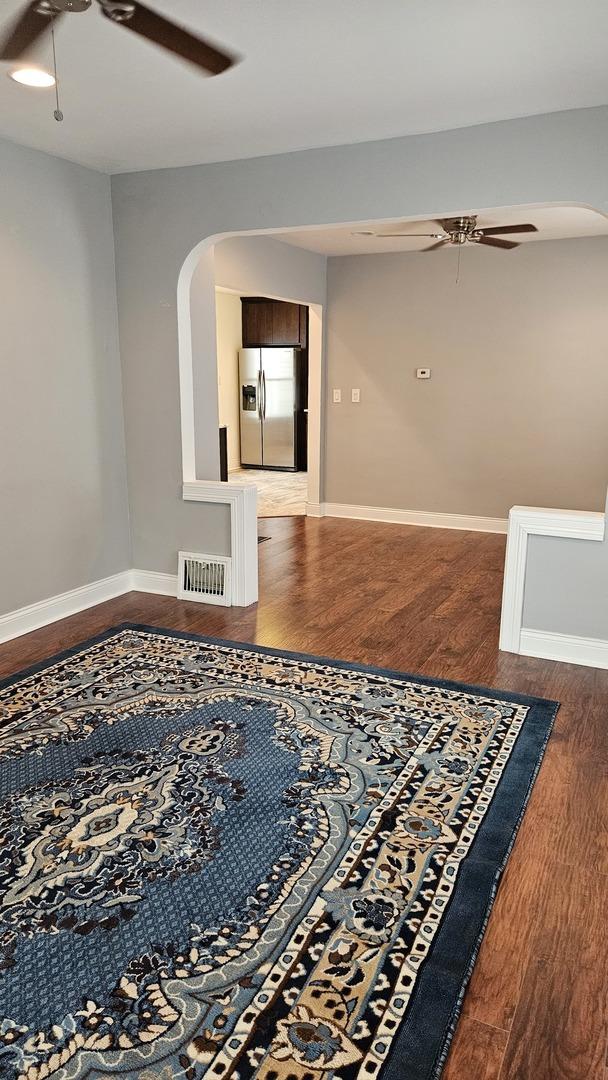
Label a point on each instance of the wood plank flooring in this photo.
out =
(428, 601)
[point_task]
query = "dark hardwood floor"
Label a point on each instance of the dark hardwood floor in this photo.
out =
(428, 601)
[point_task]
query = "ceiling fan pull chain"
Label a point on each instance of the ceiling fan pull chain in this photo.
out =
(458, 264)
(57, 113)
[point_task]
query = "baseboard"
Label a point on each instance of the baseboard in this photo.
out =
(414, 517)
(568, 648)
(151, 581)
(314, 510)
(33, 616)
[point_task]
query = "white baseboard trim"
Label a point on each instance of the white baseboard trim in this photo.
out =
(151, 581)
(425, 518)
(33, 616)
(568, 648)
(241, 498)
(314, 510)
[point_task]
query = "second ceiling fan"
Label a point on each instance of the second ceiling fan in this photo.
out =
(462, 230)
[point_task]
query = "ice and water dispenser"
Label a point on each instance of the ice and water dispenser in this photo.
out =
(250, 394)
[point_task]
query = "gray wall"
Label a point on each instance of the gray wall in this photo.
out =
(264, 266)
(515, 410)
(63, 496)
(160, 216)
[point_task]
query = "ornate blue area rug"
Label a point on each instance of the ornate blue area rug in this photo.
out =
(222, 861)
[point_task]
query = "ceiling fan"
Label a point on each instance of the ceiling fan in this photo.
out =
(42, 15)
(463, 230)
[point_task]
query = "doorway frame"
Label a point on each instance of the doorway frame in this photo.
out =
(241, 498)
(316, 395)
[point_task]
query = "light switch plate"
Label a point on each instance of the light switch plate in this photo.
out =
(336, 396)
(355, 396)
(423, 372)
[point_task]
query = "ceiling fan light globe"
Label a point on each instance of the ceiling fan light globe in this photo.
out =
(32, 76)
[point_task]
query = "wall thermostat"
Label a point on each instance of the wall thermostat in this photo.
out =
(423, 372)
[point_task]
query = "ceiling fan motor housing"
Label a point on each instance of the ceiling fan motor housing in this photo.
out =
(51, 7)
(462, 230)
(118, 10)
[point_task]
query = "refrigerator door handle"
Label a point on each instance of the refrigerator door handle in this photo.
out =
(259, 396)
(263, 394)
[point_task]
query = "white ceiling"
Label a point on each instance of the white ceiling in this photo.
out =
(552, 222)
(314, 73)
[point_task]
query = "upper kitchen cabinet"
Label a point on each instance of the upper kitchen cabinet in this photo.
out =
(257, 322)
(273, 322)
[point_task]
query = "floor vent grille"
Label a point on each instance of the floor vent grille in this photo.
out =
(205, 578)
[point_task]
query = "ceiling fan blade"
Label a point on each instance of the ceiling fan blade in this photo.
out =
(176, 39)
(25, 31)
(500, 229)
(435, 247)
(495, 241)
(407, 235)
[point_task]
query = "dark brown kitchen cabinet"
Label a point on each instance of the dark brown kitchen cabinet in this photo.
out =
(257, 323)
(273, 322)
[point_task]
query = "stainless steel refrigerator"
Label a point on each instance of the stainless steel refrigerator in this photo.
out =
(268, 391)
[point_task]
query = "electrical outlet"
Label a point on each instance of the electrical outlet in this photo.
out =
(355, 396)
(337, 397)
(423, 373)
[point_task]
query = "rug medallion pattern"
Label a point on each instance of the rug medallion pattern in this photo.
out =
(220, 862)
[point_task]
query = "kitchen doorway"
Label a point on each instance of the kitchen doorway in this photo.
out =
(263, 374)
(279, 494)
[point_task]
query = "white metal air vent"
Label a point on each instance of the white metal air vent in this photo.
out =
(205, 578)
